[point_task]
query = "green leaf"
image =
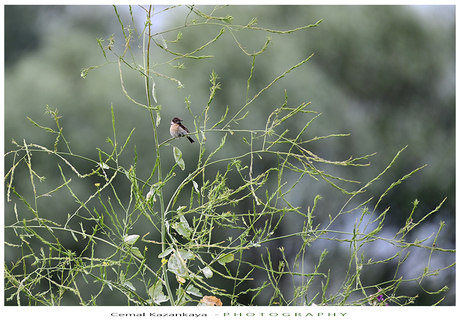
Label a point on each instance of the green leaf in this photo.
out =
(182, 227)
(177, 266)
(196, 187)
(178, 157)
(131, 239)
(186, 255)
(129, 285)
(156, 293)
(182, 298)
(104, 166)
(192, 290)
(165, 253)
(207, 272)
(135, 251)
(73, 235)
(158, 120)
(226, 259)
(154, 94)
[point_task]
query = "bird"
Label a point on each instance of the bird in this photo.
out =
(177, 129)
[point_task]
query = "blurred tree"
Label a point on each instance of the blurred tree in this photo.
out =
(21, 32)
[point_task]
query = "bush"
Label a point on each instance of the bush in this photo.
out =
(227, 232)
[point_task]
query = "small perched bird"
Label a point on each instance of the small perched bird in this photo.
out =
(177, 129)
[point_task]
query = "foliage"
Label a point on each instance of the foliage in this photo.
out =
(195, 246)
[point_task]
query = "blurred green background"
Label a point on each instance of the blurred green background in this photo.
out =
(384, 74)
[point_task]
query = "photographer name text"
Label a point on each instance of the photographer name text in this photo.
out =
(233, 314)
